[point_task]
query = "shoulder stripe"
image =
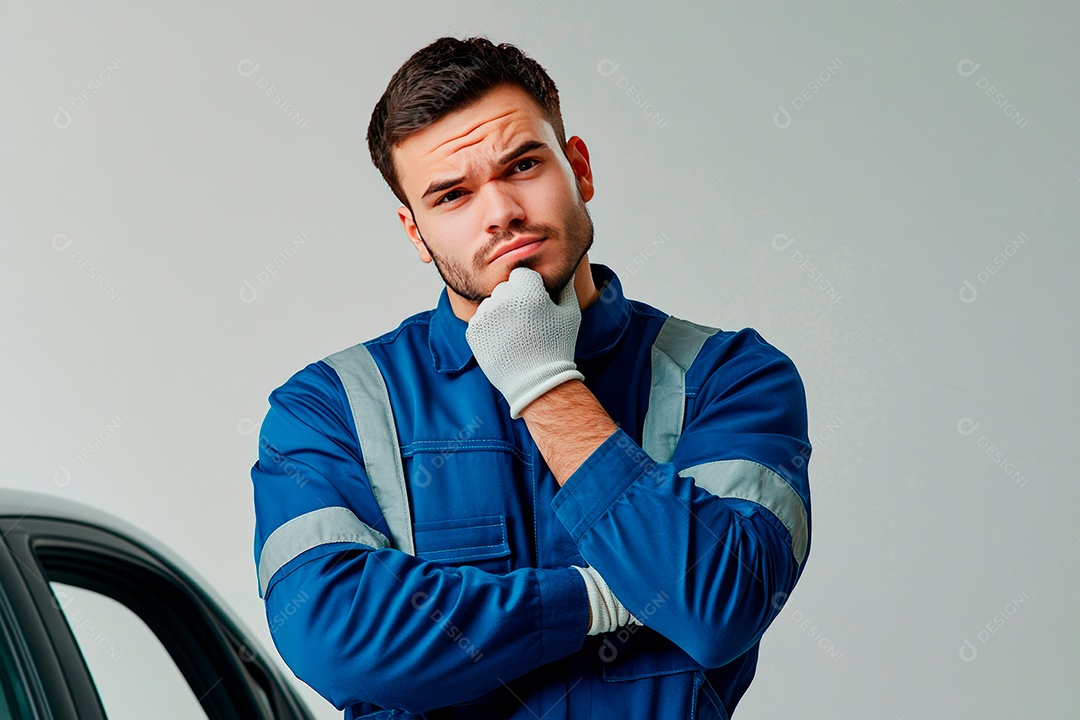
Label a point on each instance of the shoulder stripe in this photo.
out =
(318, 527)
(673, 352)
(749, 480)
(369, 401)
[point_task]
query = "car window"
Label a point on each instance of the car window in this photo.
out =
(133, 672)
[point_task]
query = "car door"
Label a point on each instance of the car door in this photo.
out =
(98, 625)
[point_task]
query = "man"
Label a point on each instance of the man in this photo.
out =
(541, 498)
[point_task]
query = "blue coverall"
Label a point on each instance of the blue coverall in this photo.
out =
(429, 574)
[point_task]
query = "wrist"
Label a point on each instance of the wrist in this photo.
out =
(566, 374)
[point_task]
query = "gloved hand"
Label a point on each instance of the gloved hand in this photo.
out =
(606, 611)
(522, 341)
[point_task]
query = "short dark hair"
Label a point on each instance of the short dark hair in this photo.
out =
(443, 77)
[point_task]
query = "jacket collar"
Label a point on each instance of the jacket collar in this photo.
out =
(602, 324)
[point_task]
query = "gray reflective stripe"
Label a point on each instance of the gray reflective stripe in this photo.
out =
(748, 480)
(318, 527)
(375, 429)
(673, 351)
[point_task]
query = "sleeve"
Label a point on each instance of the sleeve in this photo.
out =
(361, 622)
(706, 548)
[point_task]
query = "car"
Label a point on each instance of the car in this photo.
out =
(99, 619)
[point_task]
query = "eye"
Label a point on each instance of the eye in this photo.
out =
(440, 201)
(527, 160)
(534, 162)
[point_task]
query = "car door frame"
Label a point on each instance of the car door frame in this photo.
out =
(38, 543)
(53, 693)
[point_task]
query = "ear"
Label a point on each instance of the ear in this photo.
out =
(405, 215)
(578, 156)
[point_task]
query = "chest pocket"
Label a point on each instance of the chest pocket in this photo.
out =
(457, 538)
(477, 541)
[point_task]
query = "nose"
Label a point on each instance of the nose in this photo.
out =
(502, 207)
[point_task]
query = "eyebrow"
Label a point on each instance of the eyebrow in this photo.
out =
(527, 146)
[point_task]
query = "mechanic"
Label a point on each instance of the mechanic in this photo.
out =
(541, 499)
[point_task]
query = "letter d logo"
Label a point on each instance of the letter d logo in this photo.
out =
(247, 68)
(968, 293)
(62, 118)
(782, 118)
(966, 426)
(966, 67)
(606, 68)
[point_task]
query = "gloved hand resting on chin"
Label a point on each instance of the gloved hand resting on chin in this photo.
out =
(522, 341)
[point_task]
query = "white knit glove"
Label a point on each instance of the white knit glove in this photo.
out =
(522, 341)
(607, 612)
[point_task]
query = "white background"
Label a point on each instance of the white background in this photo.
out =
(145, 183)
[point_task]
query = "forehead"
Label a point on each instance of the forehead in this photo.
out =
(467, 141)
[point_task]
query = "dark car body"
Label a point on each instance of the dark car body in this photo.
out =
(44, 670)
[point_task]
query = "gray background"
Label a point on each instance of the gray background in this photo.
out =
(843, 177)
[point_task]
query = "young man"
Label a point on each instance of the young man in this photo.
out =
(541, 498)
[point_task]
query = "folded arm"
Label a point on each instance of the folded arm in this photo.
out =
(722, 531)
(360, 621)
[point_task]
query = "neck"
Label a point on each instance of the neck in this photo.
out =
(584, 286)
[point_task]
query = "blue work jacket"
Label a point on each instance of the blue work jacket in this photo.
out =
(414, 551)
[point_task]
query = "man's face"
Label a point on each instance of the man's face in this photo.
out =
(474, 189)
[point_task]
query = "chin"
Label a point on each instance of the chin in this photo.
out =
(525, 263)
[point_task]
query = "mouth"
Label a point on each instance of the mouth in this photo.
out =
(518, 248)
